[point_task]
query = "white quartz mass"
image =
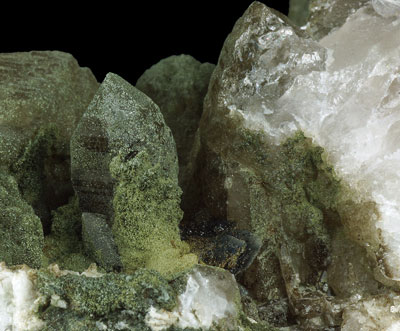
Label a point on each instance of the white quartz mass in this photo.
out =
(207, 300)
(352, 110)
(18, 300)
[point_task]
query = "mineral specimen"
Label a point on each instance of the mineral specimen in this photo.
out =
(304, 201)
(124, 166)
(292, 185)
(120, 119)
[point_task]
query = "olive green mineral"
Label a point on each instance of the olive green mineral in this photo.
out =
(21, 234)
(36, 89)
(178, 85)
(299, 11)
(120, 119)
(125, 167)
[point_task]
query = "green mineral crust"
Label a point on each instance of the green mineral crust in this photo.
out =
(124, 166)
(64, 244)
(146, 217)
(178, 85)
(88, 302)
(21, 233)
(38, 89)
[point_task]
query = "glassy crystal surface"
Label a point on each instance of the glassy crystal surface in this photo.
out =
(328, 15)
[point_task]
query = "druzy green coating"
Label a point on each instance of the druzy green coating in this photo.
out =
(21, 234)
(146, 217)
(108, 298)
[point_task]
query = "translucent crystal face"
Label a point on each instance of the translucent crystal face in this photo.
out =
(351, 109)
(387, 8)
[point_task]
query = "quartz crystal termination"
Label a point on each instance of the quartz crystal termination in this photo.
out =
(119, 119)
(125, 167)
(178, 85)
(271, 82)
(353, 112)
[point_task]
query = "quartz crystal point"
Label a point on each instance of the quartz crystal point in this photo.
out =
(120, 119)
(178, 85)
(343, 93)
(38, 89)
(244, 172)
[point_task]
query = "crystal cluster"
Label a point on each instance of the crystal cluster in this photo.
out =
(286, 154)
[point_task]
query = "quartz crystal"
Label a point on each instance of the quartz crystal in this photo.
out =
(387, 8)
(38, 89)
(327, 15)
(352, 110)
(119, 119)
(125, 167)
(210, 299)
(308, 203)
(178, 85)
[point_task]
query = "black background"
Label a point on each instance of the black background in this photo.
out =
(126, 38)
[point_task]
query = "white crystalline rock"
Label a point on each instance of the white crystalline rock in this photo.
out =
(208, 298)
(387, 8)
(347, 101)
(18, 300)
(352, 110)
(372, 314)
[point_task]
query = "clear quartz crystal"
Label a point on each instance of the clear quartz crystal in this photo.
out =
(352, 110)
(387, 8)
